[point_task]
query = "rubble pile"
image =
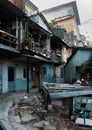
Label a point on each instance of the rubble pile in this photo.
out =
(56, 120)
(28, 113)
(72, 126)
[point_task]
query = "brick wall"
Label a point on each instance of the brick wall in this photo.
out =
(18, 3)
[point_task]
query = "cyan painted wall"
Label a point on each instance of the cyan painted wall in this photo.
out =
(4, 75)
(48, 76)
(70, 70)
(20, 82)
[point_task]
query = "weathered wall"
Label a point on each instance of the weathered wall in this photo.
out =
(70, 70)
(20, 82)
(48, 73)
(4, 75)
(70, 25)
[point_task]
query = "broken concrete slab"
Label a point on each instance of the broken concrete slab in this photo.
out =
(41, 124)
(58, 103)
(50, 128)
(17, 119)
(27, 118)
(32, 128)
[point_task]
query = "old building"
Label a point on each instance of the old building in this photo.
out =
(54, 49)
(10, 23)
(74, 67)
(15, 72)
(25, 49)
(26, 5)
(66, 16)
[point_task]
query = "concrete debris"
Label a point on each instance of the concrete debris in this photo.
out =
(32, 128)
(56, 120)
(26, 118)
(50, 128)
(16, 119)
(27, 112)
(41, 124)
(58, 103)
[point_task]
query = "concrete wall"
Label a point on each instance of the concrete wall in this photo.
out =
(70, 25)
(20, 82)
(59, 12)
(53, 74)
(67, 23)
(4, 75)
(70, 70)
(48, 73)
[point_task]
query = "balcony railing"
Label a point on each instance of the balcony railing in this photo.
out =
(35, 47)
(8, 39)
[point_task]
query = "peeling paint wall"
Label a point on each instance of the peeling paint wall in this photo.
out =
(4, 75)
(20, 83)
(48, 73)
(70, 70)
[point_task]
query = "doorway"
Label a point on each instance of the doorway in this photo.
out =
(37, 75)
(11, 78)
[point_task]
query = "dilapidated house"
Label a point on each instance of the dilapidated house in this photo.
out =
(25, 49)
(74, 68)
(65, 17)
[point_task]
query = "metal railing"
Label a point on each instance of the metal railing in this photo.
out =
(35, 47)
(8, 39)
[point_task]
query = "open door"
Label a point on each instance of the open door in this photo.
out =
(11, 78)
